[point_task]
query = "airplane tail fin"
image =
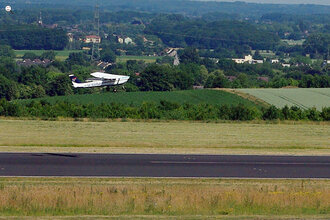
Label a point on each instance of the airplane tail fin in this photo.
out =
(74, 79)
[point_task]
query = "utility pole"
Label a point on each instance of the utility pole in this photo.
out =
(40, 20)
(96, 43)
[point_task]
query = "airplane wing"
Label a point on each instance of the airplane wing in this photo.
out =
(105, 75)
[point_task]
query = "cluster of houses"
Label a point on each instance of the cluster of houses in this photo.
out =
(28, 62)
(249, 59)
(124, 40)
(97, 39)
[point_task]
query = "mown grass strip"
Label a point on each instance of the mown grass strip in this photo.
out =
(113, 136)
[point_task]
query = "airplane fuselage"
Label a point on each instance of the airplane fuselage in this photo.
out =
(97, 82)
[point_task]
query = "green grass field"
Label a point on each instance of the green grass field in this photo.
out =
(136, 98)
(301, 97)
(265, 53)
(60, 54)
(64, 54)
(165, 137)
(294, 42)
(147, 59)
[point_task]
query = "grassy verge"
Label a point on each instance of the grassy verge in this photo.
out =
(147, 59)
(163, 197)
(165, 137)
(60, 54)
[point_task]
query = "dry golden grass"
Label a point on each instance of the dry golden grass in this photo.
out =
(165, 137)
(170, 197)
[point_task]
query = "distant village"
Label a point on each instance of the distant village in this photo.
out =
(85, 40)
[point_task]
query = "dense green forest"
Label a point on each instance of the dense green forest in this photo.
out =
(226, 34)
(176, 31)
(32, 37)
(193, 8)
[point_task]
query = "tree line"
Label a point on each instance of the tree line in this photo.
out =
(32, 37)
(163, 110)
(178, 31)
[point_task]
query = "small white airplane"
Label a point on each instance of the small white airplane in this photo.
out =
(101, 79)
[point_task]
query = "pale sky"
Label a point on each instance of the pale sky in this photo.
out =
(318, 2)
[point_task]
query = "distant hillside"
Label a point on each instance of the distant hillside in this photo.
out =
(193, 8)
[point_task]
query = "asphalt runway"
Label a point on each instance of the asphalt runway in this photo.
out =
(163, 165)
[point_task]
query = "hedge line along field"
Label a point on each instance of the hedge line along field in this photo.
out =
(301, 97)
(172, 198)
(137, 98)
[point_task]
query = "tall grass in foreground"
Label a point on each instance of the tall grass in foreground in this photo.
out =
(164, 197)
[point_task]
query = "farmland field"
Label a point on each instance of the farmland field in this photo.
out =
(136, 98)
(60, 54)
(64, 54)
(301, 97)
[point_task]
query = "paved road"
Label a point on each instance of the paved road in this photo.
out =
(144, 165)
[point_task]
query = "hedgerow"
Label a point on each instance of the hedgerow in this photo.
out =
(163, 110)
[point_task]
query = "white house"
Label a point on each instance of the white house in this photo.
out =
(247, 59)
(128, 40)
(257, 61)
(70, 37)
(120, 40)
(93, 39)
